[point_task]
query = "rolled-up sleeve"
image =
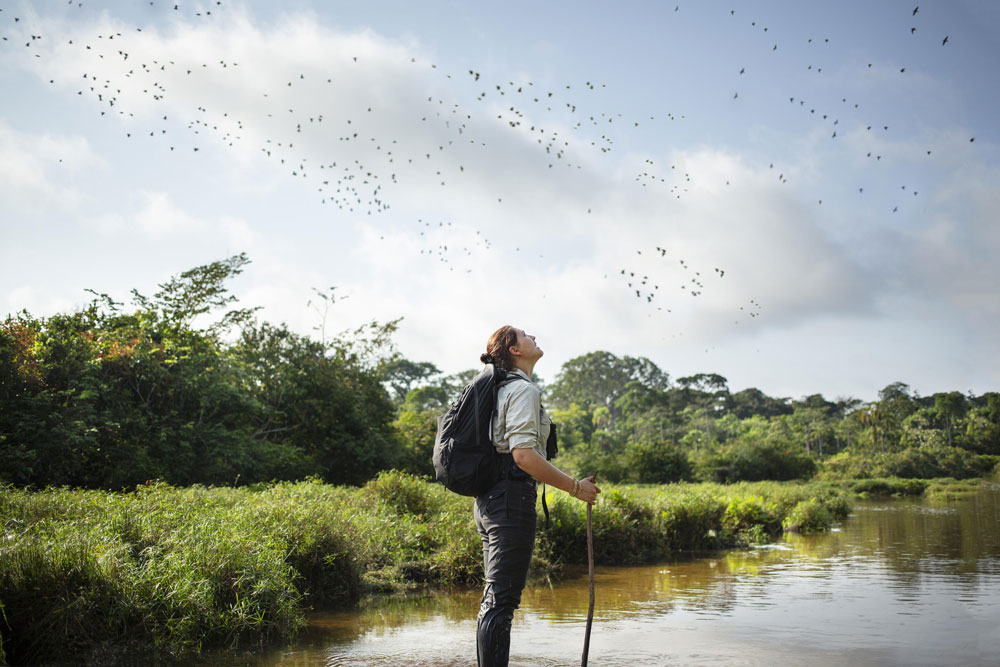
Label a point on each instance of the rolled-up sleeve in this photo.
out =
(522, 419)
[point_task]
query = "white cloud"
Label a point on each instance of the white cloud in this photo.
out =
(40, 300)
(34, 169)
(951, 258)
(155, 216)
(280, 113)
(159, 217)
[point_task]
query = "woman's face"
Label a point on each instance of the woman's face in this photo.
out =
(526, 346)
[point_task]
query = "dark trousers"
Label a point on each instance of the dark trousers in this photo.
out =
(505, 517)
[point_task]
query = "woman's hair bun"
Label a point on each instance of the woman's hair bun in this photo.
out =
(487, 358)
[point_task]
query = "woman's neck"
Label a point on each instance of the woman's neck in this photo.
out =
(526, 366)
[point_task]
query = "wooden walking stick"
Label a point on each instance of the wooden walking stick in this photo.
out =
(590, 568)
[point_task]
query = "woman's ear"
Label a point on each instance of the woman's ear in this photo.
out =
(514, 352)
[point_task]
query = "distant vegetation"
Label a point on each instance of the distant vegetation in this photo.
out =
(184, 388)
(624, 419)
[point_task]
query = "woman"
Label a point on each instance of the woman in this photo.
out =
(505, 515)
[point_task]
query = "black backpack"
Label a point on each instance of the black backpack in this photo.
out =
(465, 460)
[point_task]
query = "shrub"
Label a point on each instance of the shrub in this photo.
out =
(947, 490)
(692, 521)
(910, 463)
(403, 492)
(889, 487)
(753, 513)
(809, 516)
(596, 458)
(846, 465)
(929, 462)
(745, 460)
(657, 462)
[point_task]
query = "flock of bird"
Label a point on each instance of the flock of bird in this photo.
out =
(362, 169)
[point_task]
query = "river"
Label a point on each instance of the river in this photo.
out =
(901, 582)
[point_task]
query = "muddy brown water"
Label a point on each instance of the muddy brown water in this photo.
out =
(901, 582)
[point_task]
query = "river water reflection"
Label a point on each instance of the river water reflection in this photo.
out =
(901, 582)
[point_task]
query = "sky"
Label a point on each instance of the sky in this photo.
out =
(799, 196)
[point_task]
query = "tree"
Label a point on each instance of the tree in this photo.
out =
(432, 398)
(196, 292)
(417, 431)
(575, 425)
(896, 403)
(949, 407)
(599, 379)
(704, 382)
(326, 401)
(871, 416)
(813, 425)
(817, 402)
(402, 375)
(753, 401)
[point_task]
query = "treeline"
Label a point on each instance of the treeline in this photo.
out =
(184, 387)
(626, 420)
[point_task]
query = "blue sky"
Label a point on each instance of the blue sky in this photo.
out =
(805, 192)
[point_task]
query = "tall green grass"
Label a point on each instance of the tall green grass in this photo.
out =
(181, 569)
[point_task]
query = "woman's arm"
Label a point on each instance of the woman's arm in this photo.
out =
(531, 462)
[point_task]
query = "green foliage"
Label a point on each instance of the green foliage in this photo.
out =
(753, 401)
(102, 398)
(402, 374)
(912, 462)
(617, 420)
(576, 425)
(417, 431)
(981, 432)
(600, 379)
(693, 521)
(323, 401)
(177, 568)
(754, 517)
(403, 493)
(602, 456)
(892, 486)
(809, 516)
(746, 460)
(950, 490)
(656, 463)
(432, 398)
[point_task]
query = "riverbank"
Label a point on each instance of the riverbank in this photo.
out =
(182, 569)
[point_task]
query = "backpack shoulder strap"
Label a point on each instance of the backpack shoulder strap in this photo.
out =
(507, 379)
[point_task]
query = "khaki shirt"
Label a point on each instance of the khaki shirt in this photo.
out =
(519, 419)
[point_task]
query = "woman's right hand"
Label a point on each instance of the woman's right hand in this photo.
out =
(588, 490)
